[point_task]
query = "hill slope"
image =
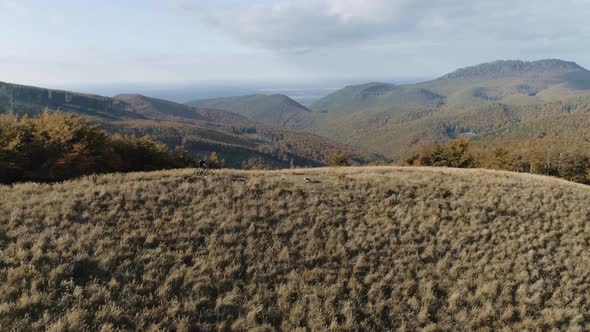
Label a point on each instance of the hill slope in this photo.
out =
(355, 249)
(161, 109)
(277, 110)
(239, 141)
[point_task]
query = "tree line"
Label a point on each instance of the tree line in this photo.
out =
(54, 147)
(537, 156)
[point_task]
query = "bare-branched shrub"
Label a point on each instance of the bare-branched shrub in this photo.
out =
(213, 162)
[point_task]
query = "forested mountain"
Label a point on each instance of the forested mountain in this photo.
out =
(488, 101)
(239, 141)
(508, 81)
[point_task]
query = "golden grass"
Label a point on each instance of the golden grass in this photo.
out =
(375, 248)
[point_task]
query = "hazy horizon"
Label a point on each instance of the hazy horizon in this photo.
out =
(185, 91)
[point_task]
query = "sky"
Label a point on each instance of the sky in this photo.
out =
(84, 42)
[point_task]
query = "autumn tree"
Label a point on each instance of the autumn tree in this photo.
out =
(53, 147)
(339, 160)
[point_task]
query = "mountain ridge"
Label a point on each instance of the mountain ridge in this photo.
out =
(32, 100)
(500, 67)
(154, 108)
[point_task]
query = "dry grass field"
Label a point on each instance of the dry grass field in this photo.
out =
(376, 248)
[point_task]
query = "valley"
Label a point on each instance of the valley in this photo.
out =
(373, 122)
(241, 142)
(501, 99)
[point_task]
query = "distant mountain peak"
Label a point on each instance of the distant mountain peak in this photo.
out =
(508, 67)
(276, 109)
(290, 101)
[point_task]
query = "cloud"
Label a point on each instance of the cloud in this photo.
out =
(9, 9)
(6, 5)
(303, 25)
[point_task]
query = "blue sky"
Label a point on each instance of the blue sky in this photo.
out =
(67, 42)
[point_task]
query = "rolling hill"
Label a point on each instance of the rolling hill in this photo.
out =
(277, 110)
(376, 96)
(375, 248)
(239, 141)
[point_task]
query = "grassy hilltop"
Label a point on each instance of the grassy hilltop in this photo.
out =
(378, 248)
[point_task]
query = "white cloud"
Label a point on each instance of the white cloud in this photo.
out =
(303, 24)
(295, 25)
(6, 5)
